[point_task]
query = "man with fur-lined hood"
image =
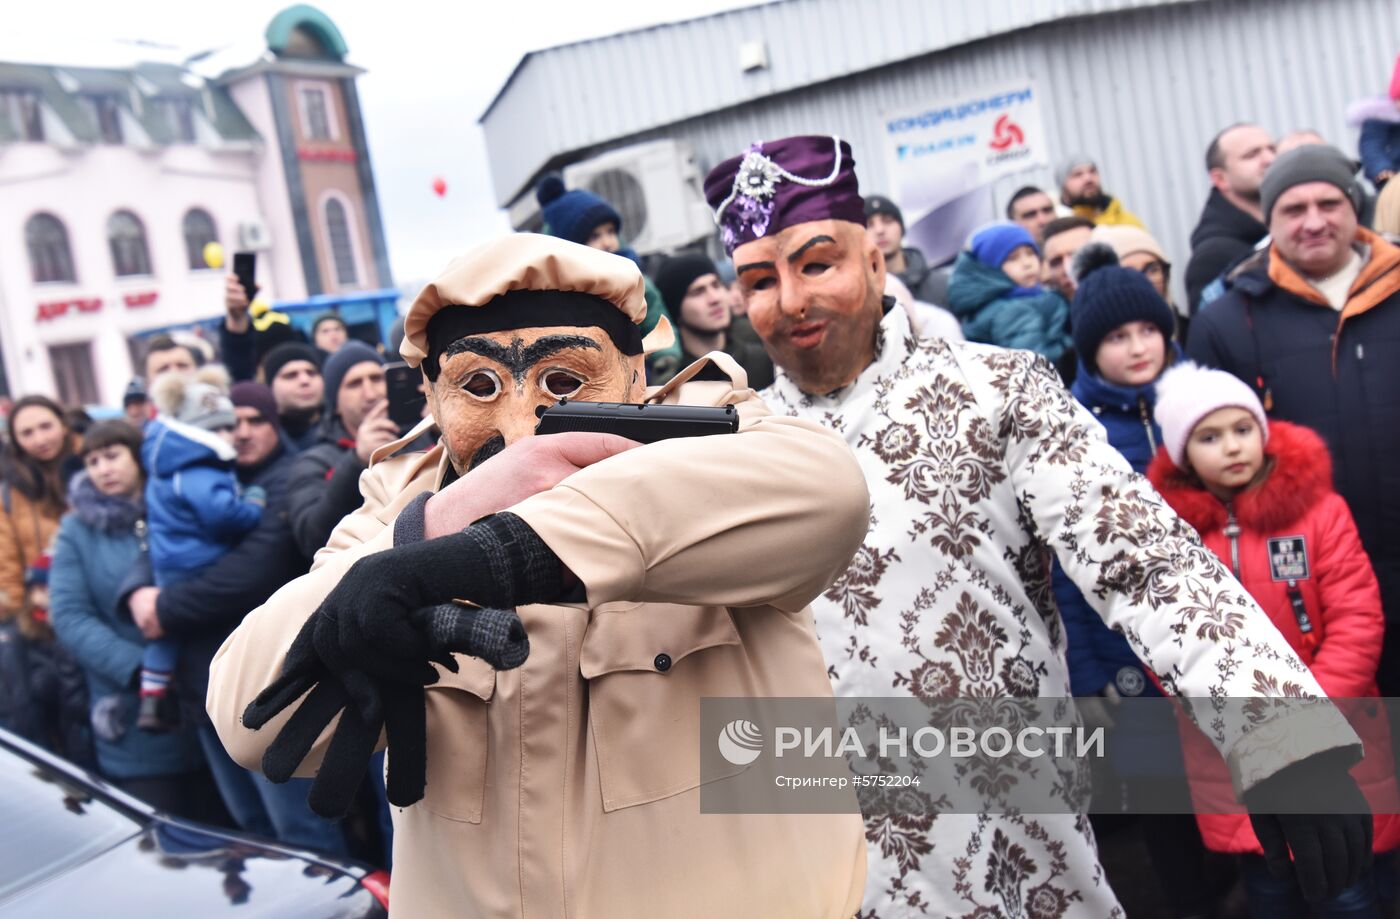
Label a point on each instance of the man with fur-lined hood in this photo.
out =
(562, 777)
(1313, 324)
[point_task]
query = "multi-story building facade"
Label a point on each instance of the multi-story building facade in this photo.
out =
(112, 181)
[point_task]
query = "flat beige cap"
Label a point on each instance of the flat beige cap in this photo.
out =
(1125, 240)
(524, 261)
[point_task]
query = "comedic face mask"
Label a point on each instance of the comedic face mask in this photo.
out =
(489, 384)
(813, 293)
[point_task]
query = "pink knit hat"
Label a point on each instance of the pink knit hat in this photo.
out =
(1187, 393)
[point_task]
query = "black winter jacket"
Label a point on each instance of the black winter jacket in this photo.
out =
(1337, 374)
(43, 696)
(1224, 235)
(205, 610)
(324, 486)
(755, 361)
(241, 352)
(929, 285)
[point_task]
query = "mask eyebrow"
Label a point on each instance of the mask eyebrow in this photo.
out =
(815, 240)
(755, 266)
(518, 358)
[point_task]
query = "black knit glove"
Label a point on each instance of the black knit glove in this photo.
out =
(1331, 846)
(366, 652)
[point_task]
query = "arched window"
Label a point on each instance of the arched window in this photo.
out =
(127, 238)
(199, 232)
(342, 250)
(49, 256)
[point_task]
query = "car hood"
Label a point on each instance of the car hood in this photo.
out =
(173, 869)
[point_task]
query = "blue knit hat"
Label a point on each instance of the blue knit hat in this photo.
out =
(573, 215)
(994, 244)
(1109, 295)
(338, 365)
(135, 392)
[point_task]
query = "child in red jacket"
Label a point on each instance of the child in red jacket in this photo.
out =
(1260, 496)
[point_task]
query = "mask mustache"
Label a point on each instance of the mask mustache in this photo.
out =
(486, 451)
(814, 314)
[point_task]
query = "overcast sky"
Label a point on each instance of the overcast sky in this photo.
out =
(433, 68)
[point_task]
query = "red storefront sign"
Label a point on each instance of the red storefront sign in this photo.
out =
(326, 154)
(56, 308)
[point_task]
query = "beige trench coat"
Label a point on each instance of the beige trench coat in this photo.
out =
(570, 787)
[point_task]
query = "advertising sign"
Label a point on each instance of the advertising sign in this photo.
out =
(944, 156)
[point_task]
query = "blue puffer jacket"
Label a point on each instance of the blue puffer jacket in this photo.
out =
(985, 302)
(97, 548)
(1379, 146)
(1096, 654)
(1125, 412)
(192, 501)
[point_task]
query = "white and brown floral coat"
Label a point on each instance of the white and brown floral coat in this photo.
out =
(980, 464)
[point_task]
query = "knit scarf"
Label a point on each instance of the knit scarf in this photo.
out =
(105, 513)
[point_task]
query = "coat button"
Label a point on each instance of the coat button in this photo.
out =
(662, 662)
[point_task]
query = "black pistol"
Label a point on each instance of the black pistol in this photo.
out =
(646, 423)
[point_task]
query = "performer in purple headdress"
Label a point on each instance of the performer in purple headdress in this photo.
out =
(980, 464)
(808, 182)
(822, 187)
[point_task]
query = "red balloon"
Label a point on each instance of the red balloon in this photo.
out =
(440, 186)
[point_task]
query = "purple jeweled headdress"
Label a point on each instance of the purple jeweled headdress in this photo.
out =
(776, 184)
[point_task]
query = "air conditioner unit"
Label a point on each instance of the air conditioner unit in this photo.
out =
(253, 236)
(656, 187)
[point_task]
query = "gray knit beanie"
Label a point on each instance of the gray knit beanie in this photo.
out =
(1069, 164)
(207, 407)
(1312, 163)
(199, 399)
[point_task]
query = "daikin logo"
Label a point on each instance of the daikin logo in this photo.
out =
(740, 742)
(1006, 133)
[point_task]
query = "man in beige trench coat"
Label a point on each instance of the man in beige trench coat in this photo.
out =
(570, 786)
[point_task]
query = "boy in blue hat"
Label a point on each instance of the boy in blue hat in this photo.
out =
(582, 217)
(995, 292)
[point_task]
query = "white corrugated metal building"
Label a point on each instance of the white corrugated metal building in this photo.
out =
(1142, 85)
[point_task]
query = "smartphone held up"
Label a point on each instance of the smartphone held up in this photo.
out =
(406, 398)
(245, 268)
